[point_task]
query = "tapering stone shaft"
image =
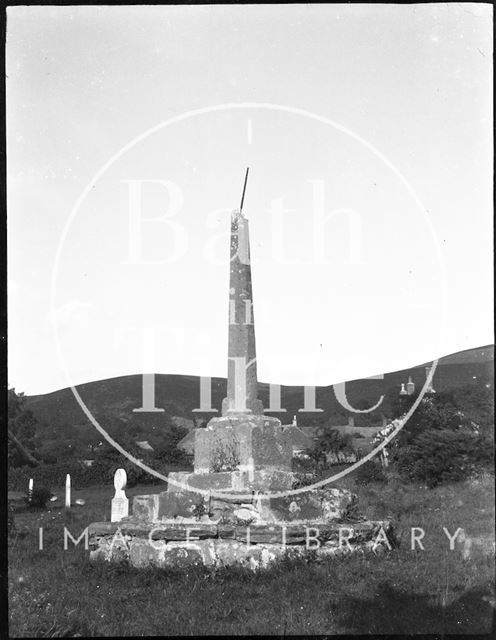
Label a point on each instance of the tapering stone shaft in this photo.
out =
(242, 366)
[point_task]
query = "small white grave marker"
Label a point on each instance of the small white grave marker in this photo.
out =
(120, 504)
(68, 491)
(251, 469)
(30, 488)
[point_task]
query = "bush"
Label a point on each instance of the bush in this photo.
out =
(329, 441)
(38, 498)
(302, 479)
(368, 472)
(442, 455)
(447, 439)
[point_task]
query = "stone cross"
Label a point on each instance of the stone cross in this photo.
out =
(68, 491)
(120, 503)
(251, 447)
(242, 384)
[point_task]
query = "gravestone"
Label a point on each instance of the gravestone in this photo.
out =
(120, 503)
(68, 491)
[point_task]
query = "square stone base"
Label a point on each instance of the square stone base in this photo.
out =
(318, 505)
(242, 441)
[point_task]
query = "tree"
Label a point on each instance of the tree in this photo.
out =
(22, 453)
(440, 442)
(22, 427)
(165, 444)
(330, 441)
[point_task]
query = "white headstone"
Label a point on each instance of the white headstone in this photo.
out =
(120, 503)
(251, 470)
(30, 486)
(258, 502)
(384, 458)
(67, 491)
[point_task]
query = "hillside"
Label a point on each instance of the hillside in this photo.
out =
(113, 400)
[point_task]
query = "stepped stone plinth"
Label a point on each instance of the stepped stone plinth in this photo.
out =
(179, 545)
(237, 506)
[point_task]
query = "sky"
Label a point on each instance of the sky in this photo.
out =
(368, 133)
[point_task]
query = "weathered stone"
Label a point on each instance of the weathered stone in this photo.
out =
(143, 553)
(271, 448)
(183, 481)
(246, 442)
(242, 390)
(115, 548)
(226, 531)
(222, 510)
(183, 531)
(259, 533)
(255, 546)
(146, 506)
(154, 531)
(246, 515)
(255, 557)
(262, 480)
(202, 451)
(272, 534)
(317, 505)
(185, 504)
(237, 482)
(127, 526)
(181, 554)
(230, 552)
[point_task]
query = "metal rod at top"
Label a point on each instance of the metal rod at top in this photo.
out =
(244, 189)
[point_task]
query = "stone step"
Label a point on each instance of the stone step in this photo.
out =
(319, 505)
(224, 550)
(289, 533)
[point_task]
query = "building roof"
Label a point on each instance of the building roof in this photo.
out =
(144, 444)
(300, 439)
(187, 444)
(186, 423)
(311, 432)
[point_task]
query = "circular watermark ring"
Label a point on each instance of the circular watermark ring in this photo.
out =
(133, 143)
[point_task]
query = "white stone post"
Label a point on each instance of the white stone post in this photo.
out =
(384, 458)
(68, 491)
(251, 469)
(120, 503)
(30, 489)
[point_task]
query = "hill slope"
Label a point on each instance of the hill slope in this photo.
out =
(115, 399)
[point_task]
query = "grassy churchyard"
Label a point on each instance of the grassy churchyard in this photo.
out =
(57, 593)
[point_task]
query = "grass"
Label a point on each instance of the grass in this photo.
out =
(54, 593)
